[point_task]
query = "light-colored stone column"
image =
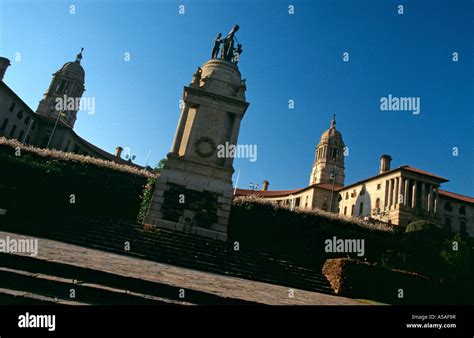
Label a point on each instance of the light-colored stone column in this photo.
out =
(385, 202)
(430, 198)
(405, 193)
(397, 190)
(413, 195)
(391, 192)
(435, 200)
(423, 197)
(180, 129)
(401, 192)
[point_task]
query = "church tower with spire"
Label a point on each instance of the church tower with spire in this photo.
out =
(68, 85)
(328, 164)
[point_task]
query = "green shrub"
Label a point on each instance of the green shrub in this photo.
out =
(146, 198)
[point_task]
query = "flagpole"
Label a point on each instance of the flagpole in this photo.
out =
(54, 129)
(236, 182)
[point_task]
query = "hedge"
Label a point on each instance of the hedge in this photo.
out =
(356, 279)
(46, 185)
(300, 236)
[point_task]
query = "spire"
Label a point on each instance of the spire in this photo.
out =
(79, 56)
(333, 121)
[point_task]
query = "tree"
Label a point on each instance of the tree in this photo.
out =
(160, 166)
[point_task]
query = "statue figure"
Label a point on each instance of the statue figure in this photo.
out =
(217, 43)
(228, 48)
(241, 90)
(237, 53)
(196, 77)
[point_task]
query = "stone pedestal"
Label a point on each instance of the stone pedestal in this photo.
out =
(194, 191)
(188, 200)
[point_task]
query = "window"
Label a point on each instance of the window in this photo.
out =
(45, 141)
(447, 224)
(4, 124)
(345, 210)
(352, 210)
(12, 107)
(462, 228)
(297, 202)
(448, 207)
(361, 208)
(27, 119)
(379, 186)
(67, 145)
(19, 115)
(20, 137)
(12, 132)
(347, 195)
(60, 86)
(462, 209)
(377, 203)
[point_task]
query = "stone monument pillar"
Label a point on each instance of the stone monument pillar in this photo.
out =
(194, 191)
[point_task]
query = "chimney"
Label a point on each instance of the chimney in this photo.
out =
(4, 63)
(385, 163)
(265, 185)
(118, 151)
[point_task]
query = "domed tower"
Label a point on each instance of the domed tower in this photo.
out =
(68, 85)
(329, 160)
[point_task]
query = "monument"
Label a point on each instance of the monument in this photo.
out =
(194, 192)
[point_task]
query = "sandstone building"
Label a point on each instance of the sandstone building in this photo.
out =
(47, 127)
(396, 196)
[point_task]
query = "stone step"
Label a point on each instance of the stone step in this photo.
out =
(185, 250)
(59, 272)
(229, 252)
(60, 288)
(293, 280)
(15, 297)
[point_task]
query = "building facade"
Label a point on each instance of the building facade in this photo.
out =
(395, 196)
(49, 127)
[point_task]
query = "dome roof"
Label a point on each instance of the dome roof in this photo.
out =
(74, 69)
(332, 134)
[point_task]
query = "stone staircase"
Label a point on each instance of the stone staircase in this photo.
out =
(180, 249)
(26, 280)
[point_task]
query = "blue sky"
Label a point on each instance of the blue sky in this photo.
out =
(285, 57)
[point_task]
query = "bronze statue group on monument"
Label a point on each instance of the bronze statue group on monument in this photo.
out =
(228, 52)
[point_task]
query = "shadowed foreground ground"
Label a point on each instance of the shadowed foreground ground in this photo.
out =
(61, 266)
